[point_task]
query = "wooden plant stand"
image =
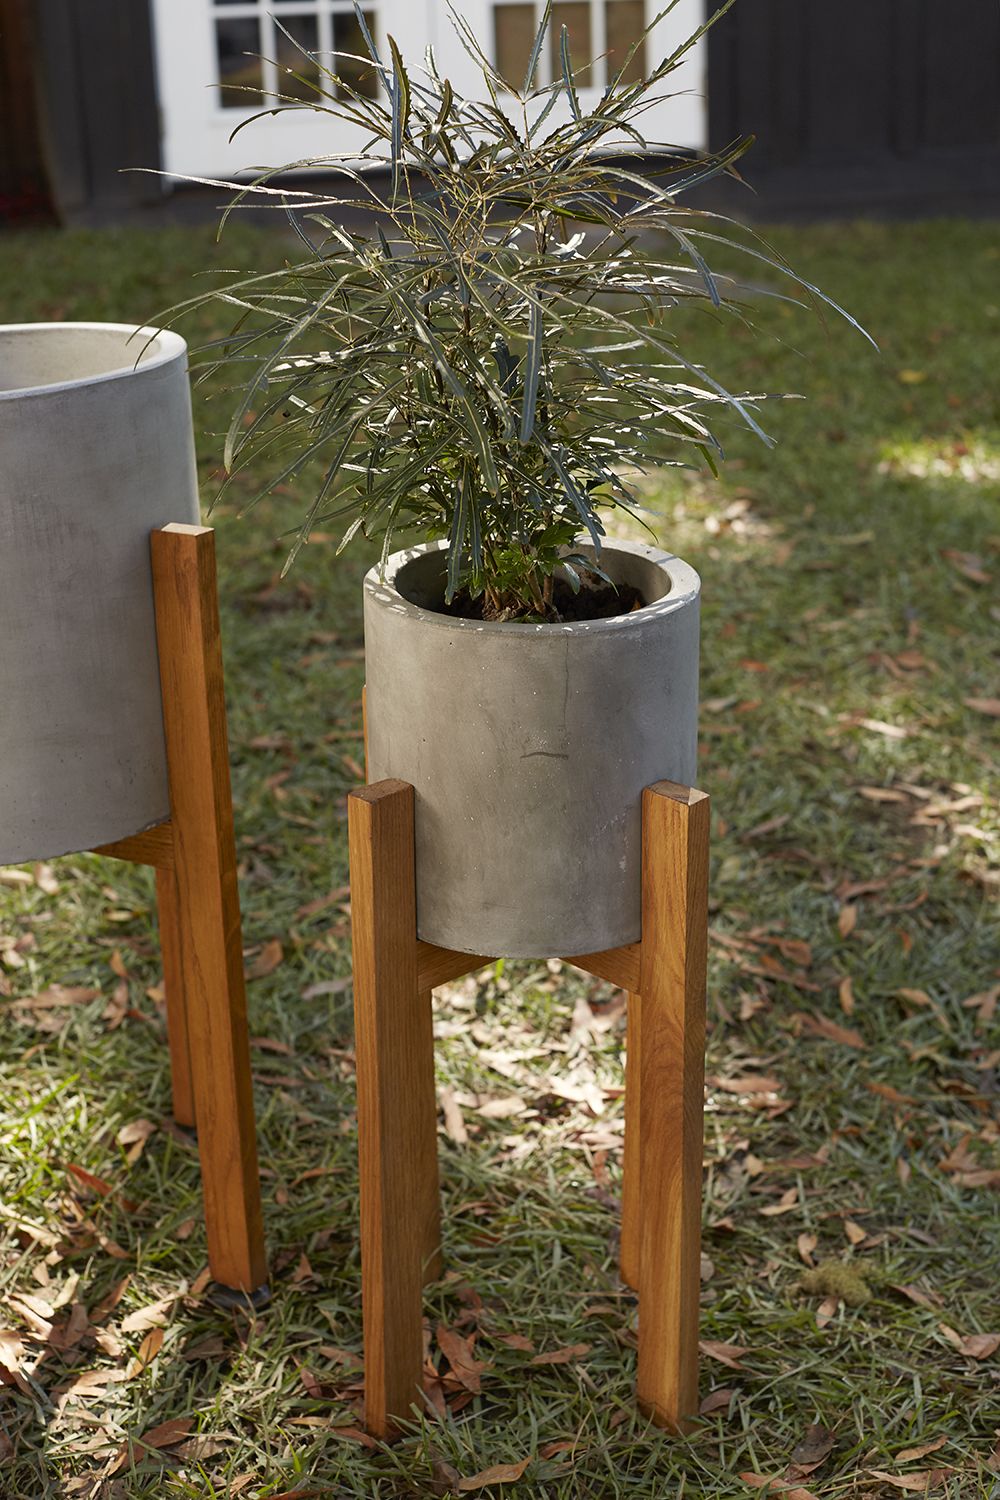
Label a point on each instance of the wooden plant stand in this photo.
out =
(664, 974)
(194, 855)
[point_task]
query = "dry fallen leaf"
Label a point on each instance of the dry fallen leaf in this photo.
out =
(499, 1474)
(270, 956)
(989, 706)
(979, 1345)
(846, 1036)
(921, 1481)
(806, 1244)
(815, 1444)
(847, 919)
(726, 1354)
(164, 1436)
(909, 1454)
(45, 879)
(719, 1400)
(854, 1232)
(458, 1351)
(515, 1341)
(846, 995)
(561, 1356)
(454, 1123)
(155, 1315)
(747, 1083)
(146, 1352)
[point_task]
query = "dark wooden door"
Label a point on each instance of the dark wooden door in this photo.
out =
(24, 192)
(861, 105)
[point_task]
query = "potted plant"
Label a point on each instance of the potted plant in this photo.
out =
(485, 371)
(96, 450)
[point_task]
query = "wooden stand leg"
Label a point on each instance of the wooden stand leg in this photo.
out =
(631, 1190)
(173, 985)
(207, 911)
(671, 1098)
(397, 1135)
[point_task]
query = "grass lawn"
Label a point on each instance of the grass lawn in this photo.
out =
(852, 1235)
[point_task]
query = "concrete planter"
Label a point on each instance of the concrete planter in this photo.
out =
(529, 747)
(94, 453)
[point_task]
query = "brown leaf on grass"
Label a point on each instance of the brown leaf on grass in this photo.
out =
(915, 1294)
(854, 1232)
(200, 1447)
(97, 1185)
(146, 1352)
(154, 1315)
(502, 1108)
(514, 1341)
(58, 995)
(815, 1445)
(990, 706)
(499, 1474)
(458, 1351)
(909, 1454)
(561, 1445)
(454, 1122)
(719, 1400)
(827, 1311)
(882, 794)
(845, 994)
(915, 997)
(268, 959)
(351, 1434)
(45, 879)
(67, 1335)
(12, 1354)
(806, 1244)
(747, 1083)
(886, 1091)
(564, 1356)
(313, 908)
(985, 1003)
(727, 1354)
(156, 1439)
(845, 1036)
(847, 919)
(921, 1481)
(973, 1345)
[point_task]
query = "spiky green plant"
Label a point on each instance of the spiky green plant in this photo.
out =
(494, 362)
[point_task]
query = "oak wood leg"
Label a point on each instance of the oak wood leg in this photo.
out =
(173, 987)
(671, 1098)
(397, 1137)
(208, 911)
(631, 1191)
(428, 1180)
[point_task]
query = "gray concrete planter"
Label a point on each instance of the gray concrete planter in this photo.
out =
(529, 747)
(94, 453)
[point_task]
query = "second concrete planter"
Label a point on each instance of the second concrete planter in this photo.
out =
(529, 747)
(96, 449)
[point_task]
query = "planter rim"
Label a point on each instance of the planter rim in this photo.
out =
(685, 585)
(165, 347)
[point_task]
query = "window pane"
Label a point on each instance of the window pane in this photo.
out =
(348, 37)
(576, 19)
(513, 36)
(237, 72)
(305, 30)
(625, 21)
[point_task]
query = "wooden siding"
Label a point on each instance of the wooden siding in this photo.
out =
(23, 183)
(862, 105)
(97, 96)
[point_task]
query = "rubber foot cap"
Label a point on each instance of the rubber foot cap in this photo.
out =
(230, 1298)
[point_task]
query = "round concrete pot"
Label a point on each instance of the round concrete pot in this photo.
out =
(529, 747)
(95, 452)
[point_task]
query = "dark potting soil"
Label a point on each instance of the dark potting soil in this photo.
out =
(595, 600)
